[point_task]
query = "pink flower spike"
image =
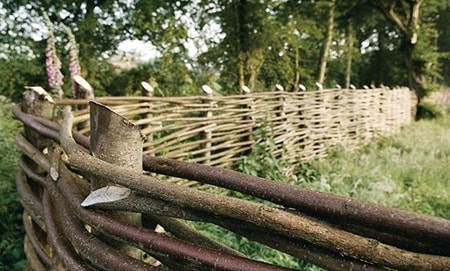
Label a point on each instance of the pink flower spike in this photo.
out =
(52, 62)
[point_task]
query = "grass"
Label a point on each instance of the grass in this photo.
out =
(408, 171)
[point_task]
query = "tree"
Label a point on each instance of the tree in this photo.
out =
(246, 29)
(405, 15)
(92, 22)
(328, 37)
(247, 42)
(164, 23)
(443, 41)
(350, 37)
(293, 48)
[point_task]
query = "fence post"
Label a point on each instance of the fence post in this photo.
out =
(280, 122)
(148, 91)
(37, 102)
(249, 117)
(83, 90)
(207, 91)
(116, 140)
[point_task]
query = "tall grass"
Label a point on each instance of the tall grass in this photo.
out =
(409, 171)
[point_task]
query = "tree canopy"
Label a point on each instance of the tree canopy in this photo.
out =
(238, 42)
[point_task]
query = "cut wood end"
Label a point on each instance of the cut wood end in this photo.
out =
(207, 89)
(106, 194)
(40, 92)
(147, 87)
(279, 87)
(82, 83)
(246, 89)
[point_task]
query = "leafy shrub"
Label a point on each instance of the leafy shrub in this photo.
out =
(429, 111)
(261, 161)
(11, 230)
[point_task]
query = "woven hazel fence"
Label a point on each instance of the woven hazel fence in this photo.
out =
(303, 125)
(92, 200)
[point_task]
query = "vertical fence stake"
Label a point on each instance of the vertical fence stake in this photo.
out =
(116, 140)
(36, 102)
(83, 90)
(148, 91)
(249, 117)
(207, 91)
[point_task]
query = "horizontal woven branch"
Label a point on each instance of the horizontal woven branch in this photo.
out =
(303, 125)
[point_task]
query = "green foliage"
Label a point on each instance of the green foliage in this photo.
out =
(252, 249)
(11, 230)
(260, 43)
(409, 171)
(261, 161)
(163, 23)
(17, 73)
(426, 110)
(98, 27)
(168, 80)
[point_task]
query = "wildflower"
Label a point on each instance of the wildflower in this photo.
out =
(74, 64)
(52, 62)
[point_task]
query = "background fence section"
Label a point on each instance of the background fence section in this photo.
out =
(303, 125)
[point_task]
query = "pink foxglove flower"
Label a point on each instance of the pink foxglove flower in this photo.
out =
(74, 65)
(52, 62)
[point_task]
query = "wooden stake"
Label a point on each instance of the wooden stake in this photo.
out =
(117, 141)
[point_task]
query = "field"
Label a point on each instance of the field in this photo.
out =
(409, 171)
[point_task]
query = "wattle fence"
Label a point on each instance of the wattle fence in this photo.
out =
(92, 183)
(302, 125)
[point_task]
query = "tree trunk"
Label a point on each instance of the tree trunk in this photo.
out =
(241, 75)
(350, 42)
(297, 67)
(242, 48)
(416, 70)
(255, 59)
(407, 20)
(326, 44)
